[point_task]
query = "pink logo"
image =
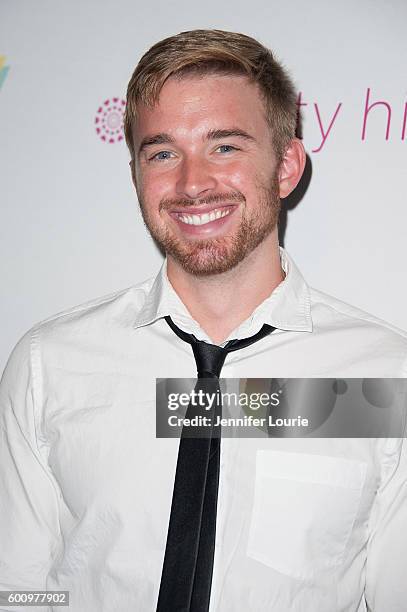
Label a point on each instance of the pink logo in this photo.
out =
(109, 120)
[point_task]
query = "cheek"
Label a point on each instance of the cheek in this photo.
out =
(152, 190)
(238, 177)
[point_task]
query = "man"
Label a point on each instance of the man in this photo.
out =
(312, 525)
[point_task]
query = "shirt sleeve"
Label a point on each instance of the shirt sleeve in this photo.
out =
(29, 525)
(386, 585)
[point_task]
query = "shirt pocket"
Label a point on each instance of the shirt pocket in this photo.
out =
(304, 509)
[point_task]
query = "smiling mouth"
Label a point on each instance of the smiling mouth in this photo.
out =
(204, 218)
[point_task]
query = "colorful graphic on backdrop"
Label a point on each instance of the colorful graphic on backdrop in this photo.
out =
(3, 69)
(109, 120)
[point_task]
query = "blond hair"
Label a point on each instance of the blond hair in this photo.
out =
(199, 52)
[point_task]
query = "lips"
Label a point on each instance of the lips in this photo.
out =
(203, 220)
(204, 217)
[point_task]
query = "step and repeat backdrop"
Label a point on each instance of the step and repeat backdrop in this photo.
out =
(69, 220)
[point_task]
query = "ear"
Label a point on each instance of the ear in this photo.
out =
(291, 167)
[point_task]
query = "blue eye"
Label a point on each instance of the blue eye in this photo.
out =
(227, 148)
(161, 156)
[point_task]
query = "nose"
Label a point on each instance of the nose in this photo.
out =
(196, 179)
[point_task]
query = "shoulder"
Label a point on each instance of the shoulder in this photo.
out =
(119, 308)
(88, 322)
(330, 311)
(355, 342)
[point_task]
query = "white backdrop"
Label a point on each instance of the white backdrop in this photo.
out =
(70, 226)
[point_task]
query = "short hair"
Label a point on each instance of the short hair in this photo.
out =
(200, 52)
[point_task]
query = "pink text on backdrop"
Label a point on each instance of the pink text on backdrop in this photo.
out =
(370, 105)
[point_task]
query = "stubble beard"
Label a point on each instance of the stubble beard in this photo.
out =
(218, 255)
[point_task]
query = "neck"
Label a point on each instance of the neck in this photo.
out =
(221, 302)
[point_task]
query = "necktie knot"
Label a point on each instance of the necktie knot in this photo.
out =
(209, 359)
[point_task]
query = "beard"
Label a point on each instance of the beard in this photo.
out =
(211, 256)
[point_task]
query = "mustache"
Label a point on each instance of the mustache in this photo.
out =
(168, 203)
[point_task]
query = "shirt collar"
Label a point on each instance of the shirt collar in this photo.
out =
(288, 307)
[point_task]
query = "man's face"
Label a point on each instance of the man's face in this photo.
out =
(205, 171)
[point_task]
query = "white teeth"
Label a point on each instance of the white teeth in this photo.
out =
(205, 217)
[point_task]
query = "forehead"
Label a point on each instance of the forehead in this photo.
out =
(194, 104)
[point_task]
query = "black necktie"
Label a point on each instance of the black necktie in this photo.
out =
(188, 561)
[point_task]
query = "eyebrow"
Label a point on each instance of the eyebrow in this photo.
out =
(220, 134)
(163, 138)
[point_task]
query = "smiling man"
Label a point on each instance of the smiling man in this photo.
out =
(217, 183)
(91, 501)
(213, 154)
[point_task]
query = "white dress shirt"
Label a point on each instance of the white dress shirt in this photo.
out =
(303, 525)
